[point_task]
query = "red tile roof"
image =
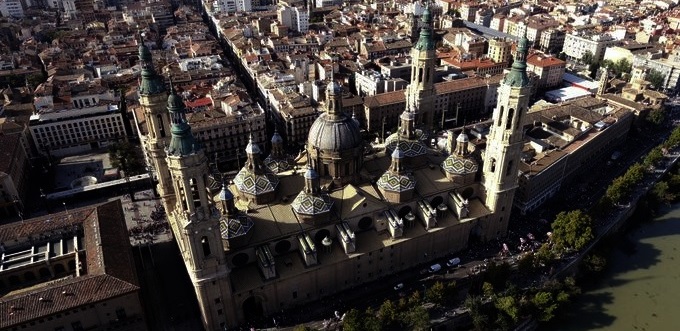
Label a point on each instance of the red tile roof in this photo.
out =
(108, 258)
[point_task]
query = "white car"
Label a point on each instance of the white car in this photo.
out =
(398, 286)
(434, 268)
(453, 262)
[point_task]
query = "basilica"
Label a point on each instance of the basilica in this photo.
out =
(292, 230)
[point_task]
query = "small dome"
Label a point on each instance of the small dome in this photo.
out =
(408, 115)
(462, 138)
(276, 138)
(252, 147)
(334, 88)
(459, 165)
(175, 101)
(225, 194)
(311, 173)
(397, 154)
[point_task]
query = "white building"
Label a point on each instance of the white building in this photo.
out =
(91, 121)
(11, 8)
(294, 18)
(232, 6)
(575, 45)
(371, 82)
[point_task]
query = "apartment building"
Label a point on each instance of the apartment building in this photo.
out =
(548, 69)
(576, 44)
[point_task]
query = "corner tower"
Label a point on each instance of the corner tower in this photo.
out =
(195, 221)
(420, 93)
(504, 144)
(152, 98)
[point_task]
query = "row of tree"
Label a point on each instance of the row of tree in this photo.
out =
(406, 314)
(503, 310)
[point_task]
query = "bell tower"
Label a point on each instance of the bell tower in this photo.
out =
(152, 98)
(420, 92)
(195, 221)
(504, 144)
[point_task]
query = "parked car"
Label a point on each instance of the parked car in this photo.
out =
(453, 262)
(398, 286)
(434, 268)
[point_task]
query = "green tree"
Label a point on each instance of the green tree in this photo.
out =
(127, 157)
(587, 58)
(653, 157)
(371, 321)
(595, 263)
(487, 289)
(656, 78)
(475, 307)
(544, 256)
(656, 116)
(509, 306)
(417, 318)
(352, 321)
(435, 294)
(545, 306)
(619, 68)
(387, 313)
(572, 230)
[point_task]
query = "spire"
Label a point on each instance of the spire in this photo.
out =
(517, 77)
(182, 142)
(151, 83)
(426, 41)
(462, 143)
(408, 119)
(253, 152)
(312, 184)
(334, 98)
(397, 157)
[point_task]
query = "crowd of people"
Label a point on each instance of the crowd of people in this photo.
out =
(148, 228)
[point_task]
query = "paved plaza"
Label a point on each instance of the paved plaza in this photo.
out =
(145, 219)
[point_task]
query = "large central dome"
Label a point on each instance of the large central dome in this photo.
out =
(334, 143)
(334, 133)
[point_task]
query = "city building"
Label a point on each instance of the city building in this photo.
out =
(548, 69)
(577, 44)
(341, 216)
(457, 100)
(371, 82)
(71, 270)
(74, 117)
(561, 140)
(11, 8)
(499, 50)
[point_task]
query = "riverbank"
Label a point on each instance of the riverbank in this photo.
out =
(638, 291)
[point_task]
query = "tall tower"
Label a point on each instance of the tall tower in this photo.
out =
(604, 81)
(195, 221)
(152, 98)
(420, 93)
(504, 144)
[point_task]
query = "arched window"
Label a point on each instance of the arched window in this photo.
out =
(420, 75)
(493, 165)
(508, 123)
(509, 168)
(427, 75)
(500, 116)
(206, 246)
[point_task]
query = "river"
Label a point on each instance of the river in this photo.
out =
(641, 288)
